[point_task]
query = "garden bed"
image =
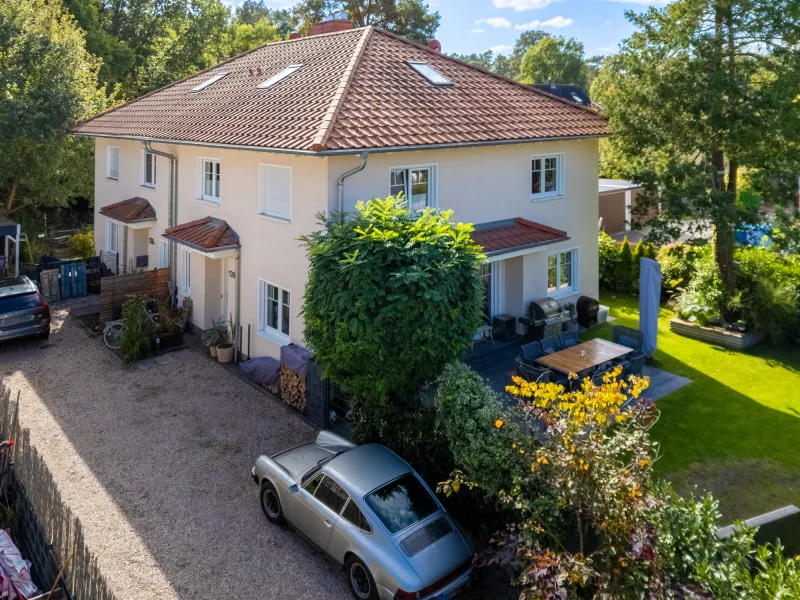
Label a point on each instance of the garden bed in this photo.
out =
(733, 340)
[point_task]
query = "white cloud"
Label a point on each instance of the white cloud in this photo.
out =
(522, 5)
(501, 49)
(499, 22)
(476, 30)
(653, 2)
(555, 23)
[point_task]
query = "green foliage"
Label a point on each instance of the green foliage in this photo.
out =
(47, 82)
(638, 254)
(391, 298)
(702, 299)
(81, 245)
(559, 60)
(135, 336)
(677, 266)
(468, 411)
(689, 100)
(624, 268)
(217, 334)
(609, 257)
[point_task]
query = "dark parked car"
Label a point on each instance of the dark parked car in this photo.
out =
(23, 310)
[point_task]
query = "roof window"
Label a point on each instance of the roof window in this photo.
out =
(278, 77)
(208, 82)
(429, 73)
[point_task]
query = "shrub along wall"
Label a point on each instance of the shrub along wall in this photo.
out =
(619, 263)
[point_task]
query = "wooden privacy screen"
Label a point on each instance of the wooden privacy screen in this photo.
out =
(115, 290)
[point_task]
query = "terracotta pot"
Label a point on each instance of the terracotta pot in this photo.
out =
(225, 353)
(213, 351)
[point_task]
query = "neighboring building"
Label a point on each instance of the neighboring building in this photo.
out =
(573, 93)
(616, 200)
(265, 141)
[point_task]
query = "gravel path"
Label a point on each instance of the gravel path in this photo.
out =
(156, 464)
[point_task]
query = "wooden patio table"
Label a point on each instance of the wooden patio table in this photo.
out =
(595, 352)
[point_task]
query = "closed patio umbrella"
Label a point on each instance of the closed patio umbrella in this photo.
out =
(649, 303)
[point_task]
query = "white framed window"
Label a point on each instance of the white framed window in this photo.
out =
(209, 180)
(112, 237)
(547, 176)
(186, 272)
(163, 254)
(112, 162)
(562, 273)
(275, 192)
(274, 311)
(417, 183)
(148, 169)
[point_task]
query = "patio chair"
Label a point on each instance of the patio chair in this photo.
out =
(568, 339)
(530, 373)
(549, 344)
(625, 336)
(530, 352)
(633, 366)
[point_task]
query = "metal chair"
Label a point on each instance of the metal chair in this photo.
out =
(625, 336)
(531, 351)
(530, 373)
(633, 366)
(549, 344)
(568, 339)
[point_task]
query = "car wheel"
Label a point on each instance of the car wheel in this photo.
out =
(360, 580)
(271, 503)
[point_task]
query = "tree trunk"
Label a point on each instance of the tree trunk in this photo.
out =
(12, 193)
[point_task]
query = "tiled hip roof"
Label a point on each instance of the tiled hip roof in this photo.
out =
(132, 210)
(502, 237)
(207, 234)
(354, 91)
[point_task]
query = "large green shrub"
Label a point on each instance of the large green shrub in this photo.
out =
(81, 245)
(624, 270)
(701, 300)
(608, 252)
(677, 266)
(136, 335)
(469, 412)
(392, 297)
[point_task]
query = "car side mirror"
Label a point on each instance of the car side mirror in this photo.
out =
(293, 489)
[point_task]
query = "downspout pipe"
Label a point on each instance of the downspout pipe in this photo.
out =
(237, 321)
(172, 210)
(351, 172)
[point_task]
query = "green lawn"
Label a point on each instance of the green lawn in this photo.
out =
(736, 429)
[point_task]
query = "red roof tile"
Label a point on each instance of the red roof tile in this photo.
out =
(501, 237)
(132, 210)
(355, 91)
(206, 234)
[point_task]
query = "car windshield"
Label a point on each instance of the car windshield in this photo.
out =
(402, 503)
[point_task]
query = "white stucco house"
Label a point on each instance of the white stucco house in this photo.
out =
(218, 175)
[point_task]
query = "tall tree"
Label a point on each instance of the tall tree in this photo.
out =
(251, 12)
(485, 59)
(526, 39)
(412, 19)
(47, 82)
(703, 88)
(555, 59)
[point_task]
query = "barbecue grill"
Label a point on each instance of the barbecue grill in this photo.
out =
(545, 318)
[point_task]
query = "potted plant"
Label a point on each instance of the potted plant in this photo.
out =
(215, 335)
(225, 347)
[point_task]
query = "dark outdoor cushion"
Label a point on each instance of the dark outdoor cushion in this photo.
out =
(629, 342)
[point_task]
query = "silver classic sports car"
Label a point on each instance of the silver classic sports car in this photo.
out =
(370, 512)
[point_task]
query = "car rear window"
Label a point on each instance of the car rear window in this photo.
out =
(402, 503)
(10, 304)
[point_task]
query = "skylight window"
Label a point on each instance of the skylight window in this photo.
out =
(429, 73)
(208, 82)
(279, 77)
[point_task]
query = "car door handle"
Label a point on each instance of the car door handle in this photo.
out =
(328, 524)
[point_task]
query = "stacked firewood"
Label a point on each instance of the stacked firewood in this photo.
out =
(293, 388)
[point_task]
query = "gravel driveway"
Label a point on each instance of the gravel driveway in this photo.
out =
(156, 464)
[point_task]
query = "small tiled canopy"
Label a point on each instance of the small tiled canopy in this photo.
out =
(502, 237)
(132, 210)
(206, 235)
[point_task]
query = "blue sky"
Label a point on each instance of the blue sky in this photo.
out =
(477, 25)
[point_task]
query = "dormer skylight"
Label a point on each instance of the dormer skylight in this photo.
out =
(429, 73)
(279, 76)
(208, 82)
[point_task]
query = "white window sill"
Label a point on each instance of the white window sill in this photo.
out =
(149, 186)
(209, 201)
(563, 293)
(274, 218)
(544, 197)
(109, 178)
(274, 336)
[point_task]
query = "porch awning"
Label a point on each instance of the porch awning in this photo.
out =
(8, 227)
(514, 235)
(207, 235)
(132, 210)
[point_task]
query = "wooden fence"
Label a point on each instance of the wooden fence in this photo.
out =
(50, 536)
(115, 290)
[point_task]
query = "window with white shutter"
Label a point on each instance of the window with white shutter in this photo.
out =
(275, 199)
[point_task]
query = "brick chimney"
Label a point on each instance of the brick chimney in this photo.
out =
(330, 26)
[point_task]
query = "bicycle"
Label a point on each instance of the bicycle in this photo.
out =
(112, 334)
